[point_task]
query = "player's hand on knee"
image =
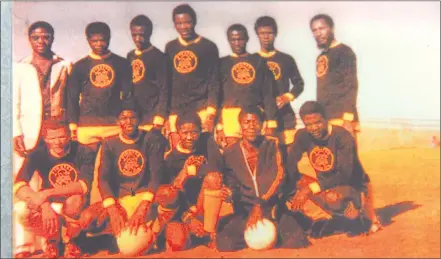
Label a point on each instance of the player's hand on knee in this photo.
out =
(196, 227)
(118, 218)
(255, 215)
(19, 145)
(226, 193)
(300, 198)
(37, 199)
(50, 219)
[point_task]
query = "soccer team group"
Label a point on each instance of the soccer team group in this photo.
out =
(167, 151)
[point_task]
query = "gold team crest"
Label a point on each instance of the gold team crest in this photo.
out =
(185, 61)
(102, 75)
(131, 162)
(322, 65)
(62, 174)
(321, 159)
(243, 73)
(138, 70)
(275, 68)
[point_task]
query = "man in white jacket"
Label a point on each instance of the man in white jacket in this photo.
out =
(39, 82)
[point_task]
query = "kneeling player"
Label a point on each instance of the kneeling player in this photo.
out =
(254, 171)
(129, 175)
(340, 189)
(192, 168)
(67, 172)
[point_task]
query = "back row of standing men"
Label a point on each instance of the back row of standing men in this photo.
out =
(165, 90)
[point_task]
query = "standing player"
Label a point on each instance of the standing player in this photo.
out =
(285, 70)
(195, 73)
(246, 80)
(337, 83)
(98, 87)
(341, 185)
(148, 75)
(39, 83)
(254, 172)
(67, 173)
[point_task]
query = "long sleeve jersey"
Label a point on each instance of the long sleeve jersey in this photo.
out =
(150, 82)
(337, 83)
(284, 68)
(195, 75)
(261, 186)
(76, 166)
(247, 81)
(335, 160)
(130, 167)
(175, 160)
(104, 85)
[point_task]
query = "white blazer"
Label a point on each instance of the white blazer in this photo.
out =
(27, 106)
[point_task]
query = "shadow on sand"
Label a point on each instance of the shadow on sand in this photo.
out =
(388, 212)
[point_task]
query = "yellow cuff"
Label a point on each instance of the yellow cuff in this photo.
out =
(272, 124)
(290, 96)
(314, 187)
(348, 116)
(73, 126)
(219, 127)
(84, 186)
(211, 110)
(158, 120)
(147, 196)
(108, 202)
(17, 186)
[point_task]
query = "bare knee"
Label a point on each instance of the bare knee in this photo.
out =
(73, 205)
(213, 180)
(177, 236)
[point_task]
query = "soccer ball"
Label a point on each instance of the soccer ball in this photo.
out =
(131, 245)
(261, 236)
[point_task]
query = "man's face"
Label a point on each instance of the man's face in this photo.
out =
(41, 40)
(316, 125)
(189, 134)
(238, 41)
(184, 25)
(128, 122)
(139, 36)
(266, 35)
(251, 126)
(323, 34)
(57, 140)
(99, 43)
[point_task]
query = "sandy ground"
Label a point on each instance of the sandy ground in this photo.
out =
(405, 172)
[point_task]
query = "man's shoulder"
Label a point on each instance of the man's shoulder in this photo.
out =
(208, 42)
(345, 49)
(171, 44)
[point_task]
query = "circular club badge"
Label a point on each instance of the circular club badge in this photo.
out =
(62, 174)
(102, 75)
(131, 162)
(185, 61)
(321, 159)
(138, 70)
(275, 68)
(243, 73)
(322, 66)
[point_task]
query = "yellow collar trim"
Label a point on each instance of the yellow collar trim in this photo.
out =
(128, 141)
(139, 52)
(186, 43)
(95, 56)
(234, 55)
(267, 54)
(183, 150)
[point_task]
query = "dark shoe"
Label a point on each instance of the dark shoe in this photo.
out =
(72, 251)
(321, 229)
(358, 227)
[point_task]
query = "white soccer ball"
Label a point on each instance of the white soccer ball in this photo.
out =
(262, 235)
(131, 245)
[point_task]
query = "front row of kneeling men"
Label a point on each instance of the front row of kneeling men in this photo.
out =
(245, 195)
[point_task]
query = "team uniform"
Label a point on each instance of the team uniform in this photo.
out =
(195, 78)
(337, 85)
(97, 90)
(246, 81)
(256, 179)
(285, 69)
(76, 166)
(207, 151)
(340, 175)
(151, 93)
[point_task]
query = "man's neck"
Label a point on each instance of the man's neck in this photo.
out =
(331, 45)
(48, 56)
(146, 46)
(253, 144)
(58, 156)
(268, 49)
